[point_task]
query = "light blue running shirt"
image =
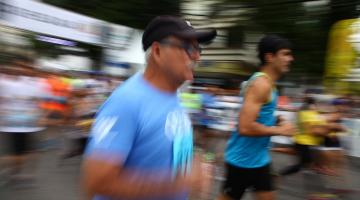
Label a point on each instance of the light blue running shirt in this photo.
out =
(145, 130)
(253, 152)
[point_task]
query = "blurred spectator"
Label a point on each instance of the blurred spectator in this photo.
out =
(332, 156)
(20, 117)
(78, 123)
(56, 103)
(311, 128)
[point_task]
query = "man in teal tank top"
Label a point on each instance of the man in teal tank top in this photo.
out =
(247, 154)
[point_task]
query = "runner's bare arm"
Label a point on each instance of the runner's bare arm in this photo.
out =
(317, 130)
(257, 94)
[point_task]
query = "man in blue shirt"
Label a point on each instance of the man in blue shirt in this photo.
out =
(247, 154)
(142, 142)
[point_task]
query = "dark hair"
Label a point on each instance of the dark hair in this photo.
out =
(308, 101)
(272, 44)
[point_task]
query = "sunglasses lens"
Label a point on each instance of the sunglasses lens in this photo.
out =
(190, 49)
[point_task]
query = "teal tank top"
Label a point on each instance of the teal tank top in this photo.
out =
(253, 152)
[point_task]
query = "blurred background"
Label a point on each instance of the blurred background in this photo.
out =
(60, 59)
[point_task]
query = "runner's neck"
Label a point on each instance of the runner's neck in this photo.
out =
(158, 80)
(270, 74)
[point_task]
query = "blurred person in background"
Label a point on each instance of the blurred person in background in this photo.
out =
(20, 121)
(332, 160)
(315, 133)
(142, 142)
(56, 103)
(77, 124)
(247, 155)
(312, 126)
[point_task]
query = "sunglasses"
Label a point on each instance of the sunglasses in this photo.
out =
(189, 48)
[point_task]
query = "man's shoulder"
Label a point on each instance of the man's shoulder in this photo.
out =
(261, 82)
(126, 97)
(259, 86)
(129, 89)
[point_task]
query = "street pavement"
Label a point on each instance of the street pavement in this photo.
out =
(57, 179)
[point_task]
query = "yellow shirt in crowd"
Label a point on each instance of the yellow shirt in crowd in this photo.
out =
(308, 117)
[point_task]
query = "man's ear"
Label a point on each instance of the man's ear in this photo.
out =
(156, 52)
(269, 57)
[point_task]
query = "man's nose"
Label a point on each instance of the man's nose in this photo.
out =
(195, 56)
(292, 58)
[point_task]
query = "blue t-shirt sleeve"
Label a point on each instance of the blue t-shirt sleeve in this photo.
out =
(113, 133)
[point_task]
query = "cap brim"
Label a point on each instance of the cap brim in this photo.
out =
(204, 36)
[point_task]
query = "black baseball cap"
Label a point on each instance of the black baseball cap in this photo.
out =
(162, 26)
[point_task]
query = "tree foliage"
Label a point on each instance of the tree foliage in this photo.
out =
(305, 23)
(133, 13)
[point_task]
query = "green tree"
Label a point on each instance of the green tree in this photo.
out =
(305, 23)
(134, 13)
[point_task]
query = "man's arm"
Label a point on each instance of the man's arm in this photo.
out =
(336, 127)
(321, 129)
(317, 130)
(257, 94)
(109, 179)
(112, 138)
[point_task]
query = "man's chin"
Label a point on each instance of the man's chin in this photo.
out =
(190, 79)
(189, 76)
(286, 70)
